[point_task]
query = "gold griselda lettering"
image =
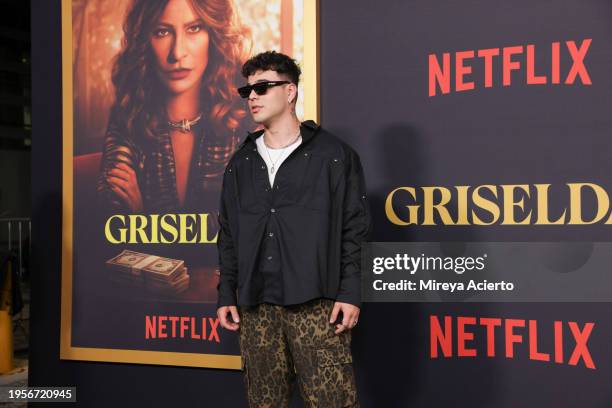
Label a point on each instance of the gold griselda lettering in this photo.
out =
(158, 229)
(504, 204)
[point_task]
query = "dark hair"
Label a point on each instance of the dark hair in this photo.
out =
(273, 61)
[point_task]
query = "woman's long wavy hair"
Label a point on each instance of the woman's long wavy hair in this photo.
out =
(137, 87)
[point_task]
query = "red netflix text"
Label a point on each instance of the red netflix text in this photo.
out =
(508, 59)
(452, 336)
(162, 327)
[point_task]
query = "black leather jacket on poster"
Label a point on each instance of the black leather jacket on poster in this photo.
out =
(153, 162)
(316, 217)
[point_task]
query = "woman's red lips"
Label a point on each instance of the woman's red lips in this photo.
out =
(178, 73)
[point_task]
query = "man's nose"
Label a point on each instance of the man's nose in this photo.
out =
(253, 95)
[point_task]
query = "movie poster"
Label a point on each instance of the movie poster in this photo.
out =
(151, 118)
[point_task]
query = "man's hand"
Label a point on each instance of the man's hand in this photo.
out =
(225, 323)
(350, 314)
(124, 183)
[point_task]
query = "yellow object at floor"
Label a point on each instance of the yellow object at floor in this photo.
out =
(6, 324)
(6, 342)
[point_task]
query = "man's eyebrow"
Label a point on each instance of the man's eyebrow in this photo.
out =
(262, 80)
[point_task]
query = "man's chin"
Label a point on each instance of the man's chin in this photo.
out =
(260, 119)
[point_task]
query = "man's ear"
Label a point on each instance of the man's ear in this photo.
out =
(293, 90)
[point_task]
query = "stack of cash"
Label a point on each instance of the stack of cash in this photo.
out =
(155, 273)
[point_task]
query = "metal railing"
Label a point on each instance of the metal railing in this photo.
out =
(15, 237)
(17, 231)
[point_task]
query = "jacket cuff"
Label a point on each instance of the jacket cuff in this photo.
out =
(226, 296)
(351, 299)
(350, 291)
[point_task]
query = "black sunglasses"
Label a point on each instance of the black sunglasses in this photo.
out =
(260, 88)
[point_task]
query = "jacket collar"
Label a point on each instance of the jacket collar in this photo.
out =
(308, 129)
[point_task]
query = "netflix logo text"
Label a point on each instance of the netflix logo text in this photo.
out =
(455, 337)
(519, 58)
(184, 327)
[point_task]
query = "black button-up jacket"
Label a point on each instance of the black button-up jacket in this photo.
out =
(314, 218)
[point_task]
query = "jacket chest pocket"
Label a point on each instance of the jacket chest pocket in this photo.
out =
(245, 187)
(320, 182)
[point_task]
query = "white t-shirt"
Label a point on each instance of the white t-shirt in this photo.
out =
(277, 155)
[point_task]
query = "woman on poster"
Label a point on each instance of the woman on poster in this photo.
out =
(176, 119)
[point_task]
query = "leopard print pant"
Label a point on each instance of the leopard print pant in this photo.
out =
(280, 343)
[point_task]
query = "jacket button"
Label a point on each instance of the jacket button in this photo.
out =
(363, 196)
(306, 154)
(267, 189)
(263, 167)
(270, 234)
(269, 257)
(335, 160)
(247, 157)
(272, 210)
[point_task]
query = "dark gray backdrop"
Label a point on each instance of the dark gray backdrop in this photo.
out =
(374, 94)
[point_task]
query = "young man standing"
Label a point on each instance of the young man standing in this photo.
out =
(292, 216)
